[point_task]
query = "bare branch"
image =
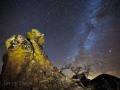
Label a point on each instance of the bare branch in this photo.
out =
(76, 70)
(65, 66)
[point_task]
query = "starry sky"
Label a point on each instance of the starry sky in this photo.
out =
(77, 31)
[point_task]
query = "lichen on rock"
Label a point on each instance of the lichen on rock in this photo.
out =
(36, 36)
(25, 61)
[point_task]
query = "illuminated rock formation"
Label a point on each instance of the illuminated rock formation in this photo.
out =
(27, 67)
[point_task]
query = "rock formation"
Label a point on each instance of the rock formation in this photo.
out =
(27, 67)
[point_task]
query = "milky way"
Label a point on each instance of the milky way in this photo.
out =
(76, 31)
(100, 37)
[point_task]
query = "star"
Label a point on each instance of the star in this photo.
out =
(110, 50)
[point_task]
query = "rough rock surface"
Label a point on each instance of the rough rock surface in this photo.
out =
(27, 67)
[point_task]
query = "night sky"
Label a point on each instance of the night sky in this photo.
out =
(77, 31)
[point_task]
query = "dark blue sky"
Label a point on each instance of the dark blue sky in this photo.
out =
(75, 30)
